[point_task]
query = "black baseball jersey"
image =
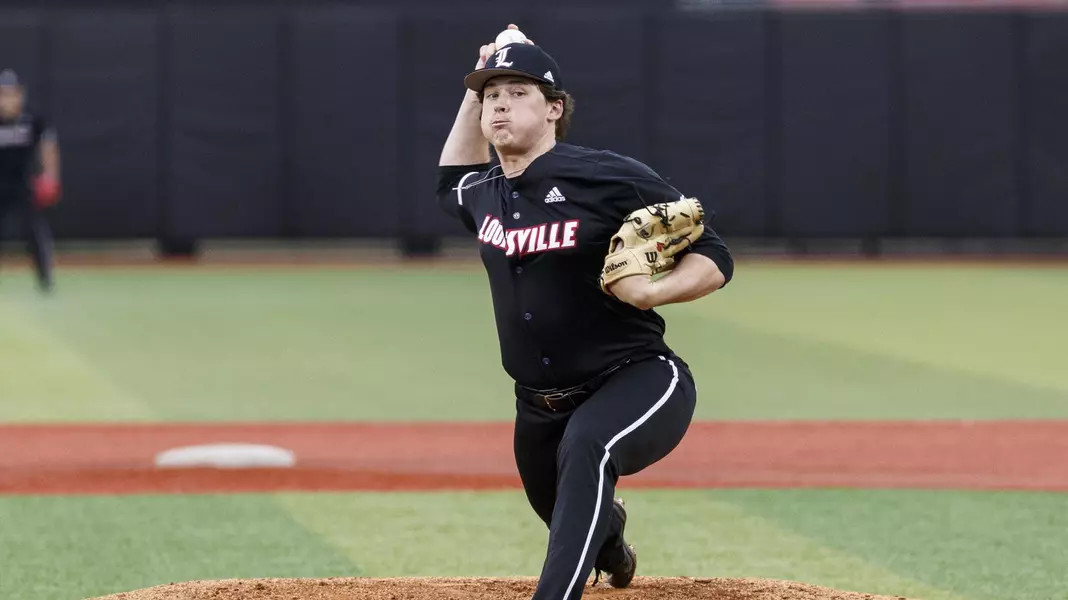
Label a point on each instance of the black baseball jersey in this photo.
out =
(544, 235)
(19, 139)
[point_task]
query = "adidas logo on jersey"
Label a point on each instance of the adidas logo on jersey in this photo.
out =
(554, 195)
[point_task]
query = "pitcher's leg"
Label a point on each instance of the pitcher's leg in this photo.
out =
(634, 420)
(537, 436)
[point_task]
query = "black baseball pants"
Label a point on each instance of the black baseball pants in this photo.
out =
(37, 232)
(569, 462)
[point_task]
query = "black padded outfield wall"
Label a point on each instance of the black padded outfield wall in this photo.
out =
(325, 119)
(961, 135)
(709, 105)
(104, 92)
(1045, 124)
(225, 161)
(835, 120)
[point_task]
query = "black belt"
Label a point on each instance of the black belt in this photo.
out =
(567, 398)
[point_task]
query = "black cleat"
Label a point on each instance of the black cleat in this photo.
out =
(621, 577)
(622, 566)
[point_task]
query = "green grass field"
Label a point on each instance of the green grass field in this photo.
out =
(777, 343)
(781, 342)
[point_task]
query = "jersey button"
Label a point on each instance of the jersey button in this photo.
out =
(515, 194)
(515, 216)
(518, 270)
(527, 316)
(545, 360)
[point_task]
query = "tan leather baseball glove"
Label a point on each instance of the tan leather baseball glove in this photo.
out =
(650, 237)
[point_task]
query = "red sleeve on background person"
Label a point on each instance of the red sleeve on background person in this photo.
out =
(46, 191)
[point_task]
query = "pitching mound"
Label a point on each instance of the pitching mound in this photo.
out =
(643, 588)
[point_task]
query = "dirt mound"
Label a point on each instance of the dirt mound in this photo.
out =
(643, 588)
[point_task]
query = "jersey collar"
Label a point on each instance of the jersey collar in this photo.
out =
(536, 170)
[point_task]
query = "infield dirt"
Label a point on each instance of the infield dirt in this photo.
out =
(642, 588)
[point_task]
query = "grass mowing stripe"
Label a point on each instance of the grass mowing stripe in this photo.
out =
(948, 317)
(427, 534)
(58, 548)
(697, 533)
(986, 545)
(814, 379)
(249, 342)
(676, 533)
(857, 540)
(45, 378)
(356, 344)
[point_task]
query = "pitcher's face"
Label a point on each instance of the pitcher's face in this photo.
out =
(515, 114)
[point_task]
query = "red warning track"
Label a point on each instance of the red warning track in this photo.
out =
(88, 459)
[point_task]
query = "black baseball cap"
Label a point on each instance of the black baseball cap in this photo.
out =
(519, 58)
(8, 78)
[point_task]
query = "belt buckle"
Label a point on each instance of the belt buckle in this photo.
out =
(553, 397)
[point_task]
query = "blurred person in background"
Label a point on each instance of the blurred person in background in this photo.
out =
(29, 173)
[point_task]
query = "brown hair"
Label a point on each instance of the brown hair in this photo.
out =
(564, 122)
(552, 94)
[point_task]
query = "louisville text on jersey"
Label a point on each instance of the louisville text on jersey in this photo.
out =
(528, 240)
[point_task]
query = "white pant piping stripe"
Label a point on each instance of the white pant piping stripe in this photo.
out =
(604, 461)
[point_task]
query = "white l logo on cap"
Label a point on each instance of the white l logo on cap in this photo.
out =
(501, 55)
